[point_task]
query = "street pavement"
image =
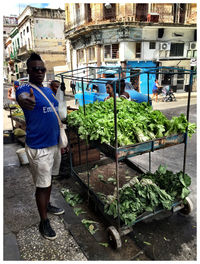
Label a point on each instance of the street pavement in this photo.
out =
(172, 238)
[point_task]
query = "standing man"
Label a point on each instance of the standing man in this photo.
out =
(42, 135)
(73, 86)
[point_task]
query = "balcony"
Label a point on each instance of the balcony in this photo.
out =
(22, 50)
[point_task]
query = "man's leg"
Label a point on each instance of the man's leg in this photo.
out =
(157, 97)
(41, 162)
(42, 199)
(55, 171)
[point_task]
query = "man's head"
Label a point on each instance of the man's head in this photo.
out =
(54, 85)
(35, 69)
(16, 84)
(109, 87)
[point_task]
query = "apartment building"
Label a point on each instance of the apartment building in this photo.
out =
(133, 35)
(9, 23)
(40, 30)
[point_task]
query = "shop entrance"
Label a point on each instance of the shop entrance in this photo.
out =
(135, 80)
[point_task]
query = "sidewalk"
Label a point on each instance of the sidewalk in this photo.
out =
(22, 240)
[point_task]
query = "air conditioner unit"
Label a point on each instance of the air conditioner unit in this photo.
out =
(165, 46)
(193, 46)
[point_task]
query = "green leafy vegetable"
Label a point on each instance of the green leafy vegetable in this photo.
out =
(136, 122)
(72, 198)
(146, 193)
(89, 225)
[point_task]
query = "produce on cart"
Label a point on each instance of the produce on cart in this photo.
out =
(136, 122)
(147, 192)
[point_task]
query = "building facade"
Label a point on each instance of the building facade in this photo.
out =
(40, 30)
(133, 35)
(9, 23)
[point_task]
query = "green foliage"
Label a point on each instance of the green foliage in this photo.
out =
(71, 198)
(147, 193)
(136, 122)
(89, 224)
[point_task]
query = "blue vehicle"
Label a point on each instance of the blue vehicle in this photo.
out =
(96, 91)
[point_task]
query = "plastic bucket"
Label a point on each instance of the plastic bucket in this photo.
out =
(21, 153)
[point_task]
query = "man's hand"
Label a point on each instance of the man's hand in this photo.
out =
(27, 100)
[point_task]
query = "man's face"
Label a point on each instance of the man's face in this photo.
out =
(55, 86)
(36, 71)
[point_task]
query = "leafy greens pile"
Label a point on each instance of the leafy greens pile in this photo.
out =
(143, 195)
(136, 122)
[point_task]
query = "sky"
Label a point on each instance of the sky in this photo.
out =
(16, 7)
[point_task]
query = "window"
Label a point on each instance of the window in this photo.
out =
(152, 45)
(27, 29)
(88, 15)
(138, 50)
(141, 12)
(80, 55)
(91, 53)
(109, 13)
(78, 16)
(182, 13)
(111, 51)
(24, 32)
(177, 49)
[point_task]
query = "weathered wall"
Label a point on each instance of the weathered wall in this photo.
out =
(48, 28)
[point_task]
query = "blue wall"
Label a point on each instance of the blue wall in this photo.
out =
(143, 77)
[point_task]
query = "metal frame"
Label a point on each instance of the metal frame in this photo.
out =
(75, 75)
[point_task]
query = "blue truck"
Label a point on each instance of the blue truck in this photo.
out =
(96, 91)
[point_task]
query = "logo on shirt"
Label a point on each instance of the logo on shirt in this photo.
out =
(49, 109)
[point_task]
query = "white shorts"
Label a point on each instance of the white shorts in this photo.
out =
(44, 163)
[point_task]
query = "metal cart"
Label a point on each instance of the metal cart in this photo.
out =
(117, 228)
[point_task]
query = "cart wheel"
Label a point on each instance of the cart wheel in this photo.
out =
(114, 237)
(188, 207)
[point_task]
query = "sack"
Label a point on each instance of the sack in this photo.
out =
(63, 140)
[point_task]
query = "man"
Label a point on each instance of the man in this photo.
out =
(121, 90)
(73, 86)
(11, 92)
(54, 85)
(42, 135)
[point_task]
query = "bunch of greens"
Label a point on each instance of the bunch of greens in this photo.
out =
(145, 194)
(136, 198)
(136, 122)
(175, 184)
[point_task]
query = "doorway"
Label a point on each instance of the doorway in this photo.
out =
(135, 80)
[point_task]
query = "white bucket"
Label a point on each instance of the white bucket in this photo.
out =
(21, 153)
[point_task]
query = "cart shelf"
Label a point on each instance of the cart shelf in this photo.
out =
(96, 188)
(140, 148)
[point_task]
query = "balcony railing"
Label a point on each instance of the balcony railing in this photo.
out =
(22, 50)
